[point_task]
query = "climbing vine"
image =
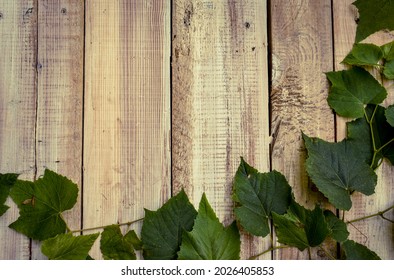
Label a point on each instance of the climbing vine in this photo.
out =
(263, 202)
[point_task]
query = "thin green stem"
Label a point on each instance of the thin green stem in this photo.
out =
(101, 227)
(267, 251)
(380, 213)
(385, 145)
(309, 253)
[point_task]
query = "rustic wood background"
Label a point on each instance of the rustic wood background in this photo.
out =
(135, 99)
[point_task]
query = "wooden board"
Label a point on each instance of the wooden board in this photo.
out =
(301, 51)
(127, 111)
(17, 109)
(60, 95)
(219, 100)
(375, 233)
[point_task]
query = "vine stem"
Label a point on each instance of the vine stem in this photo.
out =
(380, 213)
(101, 227)
(267, 251)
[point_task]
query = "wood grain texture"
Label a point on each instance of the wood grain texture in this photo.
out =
(375, 233)
(17, 109)
(127, 110)
(60, 95)
(219, 100)
(301, 45)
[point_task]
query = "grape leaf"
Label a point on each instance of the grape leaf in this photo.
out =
(364, 55)
(68, 247)
(161, 232)
(388, 51)
(359, 135)
(388, 71)
(6, 182)
(383, 133)
(258, 194)
(373, 16)
(357, 251)
(351, 90)
(41, 204)
(115, 246)
(390, 115)
(337, 169)
(337, 227)
(209, 239)
(300, 227)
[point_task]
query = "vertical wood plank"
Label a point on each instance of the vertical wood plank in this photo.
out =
(60, 95)
(17, 109)
(127, 110)
(219, 100)
(301, 52)
(374, 233)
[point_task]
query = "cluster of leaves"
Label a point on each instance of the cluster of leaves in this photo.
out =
(177, 230)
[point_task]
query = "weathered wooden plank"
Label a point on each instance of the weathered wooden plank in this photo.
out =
(127, 110)
(301, 52)
(17, 109)
(375, 233)
(219, 99)
(60, 95)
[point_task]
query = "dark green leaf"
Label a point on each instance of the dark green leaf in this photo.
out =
(351, 90)
(258, 194)
(383, 133)
(359, 136)
(356, 251)
(388, 51)
(209, 239)
(6, 182)
(388, 71)
(300, 227)
(364, 55)
(115, 246)
(336, 226)
(162, 229)
(373, 16)
(68, 247)
(338, 169)
(388, 54)
(41, 204)
(390, 115)
(134, 240)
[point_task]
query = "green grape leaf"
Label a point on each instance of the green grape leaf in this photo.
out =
(390, 115)
(300, 227)
(388, 55)
(337, 227)
(351, 90)
(373, 16)
(364, 55)
(209, 239)
(359, 136)
(115, 246)
(161, 232)
(41, 204)
(258, 194)
(357, 251)
(383, 134)
(68, 247)
(388, 51)
(388, 70)
(337, 169)
(6, 182)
